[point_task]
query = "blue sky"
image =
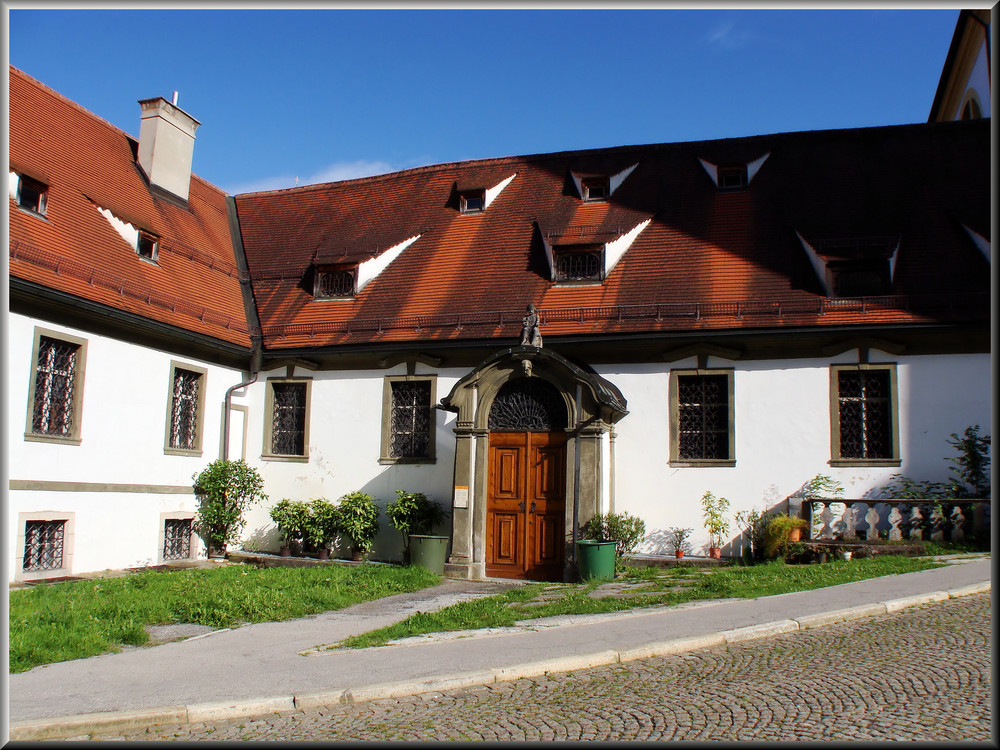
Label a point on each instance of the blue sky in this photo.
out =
(324, 94)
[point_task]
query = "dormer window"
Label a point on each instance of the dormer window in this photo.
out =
(579, 263)
(31, 195)
(853, 266)
(596, 189)
(472, 201)
(334, 283)
(733, 178)
(147, 246)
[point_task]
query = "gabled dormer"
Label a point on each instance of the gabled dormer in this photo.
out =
(475, 199)
(586, 255)
(597, 187)
(733, 175)
(853, 266)
(29, 194)
(143, 240)
(340, 275)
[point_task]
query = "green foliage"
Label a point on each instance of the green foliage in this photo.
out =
(971, 468)
(821, 486)
(776, 534)
(678, 537)
(225, 490)
(414, 513)
(903, 488)
(77, 619)
(752, 524)
(714, 510)
(357, 516)
(291, 518)
(624, 529)
(322, 525)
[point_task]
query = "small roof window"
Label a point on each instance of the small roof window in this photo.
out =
(147, 246)
(30, 195)
(334, 282)
(472, 201)
(733, 178)
(579, 263)
(595, 188)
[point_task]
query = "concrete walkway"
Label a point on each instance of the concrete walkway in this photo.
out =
(258, 669)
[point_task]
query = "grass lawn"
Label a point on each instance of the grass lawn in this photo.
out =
(76, 619)
(661, 586)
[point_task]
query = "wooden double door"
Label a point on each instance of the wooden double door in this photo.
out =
(526, 505)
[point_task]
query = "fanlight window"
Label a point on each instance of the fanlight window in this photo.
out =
(334, 283)
(528, 405)
(579, 265)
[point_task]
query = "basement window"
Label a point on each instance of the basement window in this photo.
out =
(334, 283)
(576, 264)
(32, 195)
(472, 201)
(148, 246)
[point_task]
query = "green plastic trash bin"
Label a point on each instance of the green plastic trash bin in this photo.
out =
(429, 552)
(595, 560)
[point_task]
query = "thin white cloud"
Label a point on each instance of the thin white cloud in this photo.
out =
(728, 36)
(334, 173)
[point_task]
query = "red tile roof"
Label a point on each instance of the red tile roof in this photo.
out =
(89, 164)
(709, 259)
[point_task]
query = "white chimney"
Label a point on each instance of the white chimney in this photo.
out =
(166, 145)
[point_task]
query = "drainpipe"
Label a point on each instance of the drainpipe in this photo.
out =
(256, 358)
(576, 473)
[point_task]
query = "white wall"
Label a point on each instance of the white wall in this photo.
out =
(126, 391)
(782, 425)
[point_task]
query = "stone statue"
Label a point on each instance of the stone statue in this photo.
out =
(530, 335)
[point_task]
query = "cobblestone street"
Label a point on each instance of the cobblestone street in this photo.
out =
(921, 674)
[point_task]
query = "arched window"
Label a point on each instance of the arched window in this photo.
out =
(528, 405)
(971, 111)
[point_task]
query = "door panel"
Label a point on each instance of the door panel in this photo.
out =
(526, 505)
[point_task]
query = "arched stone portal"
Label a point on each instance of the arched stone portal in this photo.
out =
(533, 458)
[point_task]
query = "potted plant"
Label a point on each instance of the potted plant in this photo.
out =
(322, 526)
(357, 517)
(225, 490)
(678, 536)
(716, 522)
(622, 531)
(290, 516)
(752, 524)
(415, 516)
(781, 531)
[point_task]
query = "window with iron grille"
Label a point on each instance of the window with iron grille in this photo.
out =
(56, 381)
(411, 419)
(702, 429)
(580, 265)
(288, 418)
(334, 284)
(43, 545)
(864, 414)
(177, 539)
(184, 410)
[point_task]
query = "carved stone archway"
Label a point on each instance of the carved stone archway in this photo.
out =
(592, 406)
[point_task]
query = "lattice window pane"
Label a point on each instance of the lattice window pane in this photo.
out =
(177, 539)
(528, 405)
(579, 266)
(55, 383)
(184, 410)
(43, 545)
(865, 414)
(703, 417)
(288, 426)
(410, 419)
(335, 284)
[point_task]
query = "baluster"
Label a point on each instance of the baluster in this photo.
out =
(895, 519)
(871, 518)
(849, 524)
(826, 519)
(936, 523)
(916, 524)
(957, 524)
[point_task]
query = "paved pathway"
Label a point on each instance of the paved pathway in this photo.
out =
(919, 674)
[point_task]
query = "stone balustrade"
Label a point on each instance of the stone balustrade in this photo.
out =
(938, 520)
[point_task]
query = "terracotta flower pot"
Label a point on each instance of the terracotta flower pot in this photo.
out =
(715, 552)
(286, 550)
(678, 553)
(794, 535)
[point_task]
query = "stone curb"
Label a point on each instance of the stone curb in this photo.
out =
(114, 721)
